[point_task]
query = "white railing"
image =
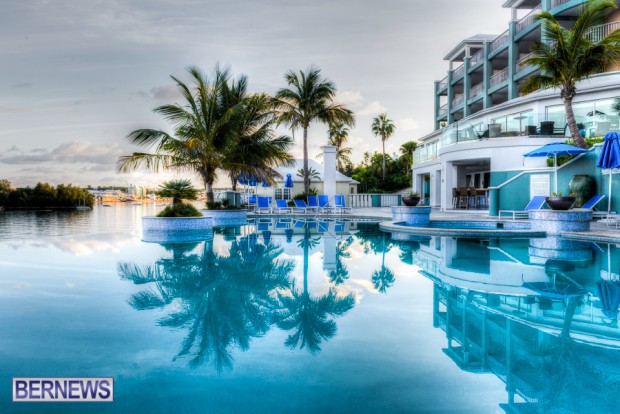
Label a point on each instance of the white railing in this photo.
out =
(528, 19)
(521, 62)
(458, 72)
(458, 100)
(598, 33)
(556, 3)
(365, 200)
(499, 77)
(443, 84)
(476, 57)
(476, 90)
(499, 41)
(443, 109)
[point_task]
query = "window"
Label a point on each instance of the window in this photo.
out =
(283, 194)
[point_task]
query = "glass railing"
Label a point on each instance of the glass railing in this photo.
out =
(476, 57)
(521, 62)
(443, 84)
(426, 152)
(458, 100)
(476, 90)
(443, 109)
(499, 77)
(499, 41)
(458, 72)
(598, 33)
(528, 19)
(556, 3)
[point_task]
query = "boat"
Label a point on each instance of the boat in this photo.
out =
(106, 205)
(82, 208)
(136, 203)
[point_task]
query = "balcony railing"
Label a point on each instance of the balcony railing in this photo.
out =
(458, 100)
(476, 57)
(556, 3)
(598, 33)
(443, 109)
(499, 41)
(366, 200)
(528, 19)
(499, 77)
(476, 90)
(443, 83)
(458, 72)
(521, 62)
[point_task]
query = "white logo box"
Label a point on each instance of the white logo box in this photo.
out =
(69, 389)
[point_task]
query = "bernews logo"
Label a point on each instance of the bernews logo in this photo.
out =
(63, 389)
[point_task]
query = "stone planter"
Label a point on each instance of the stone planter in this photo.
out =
(411, 201)
(412, 216)
(176, 229)
(554, 222)
(560, 203)
(227, 217)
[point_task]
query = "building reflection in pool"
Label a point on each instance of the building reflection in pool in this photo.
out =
(547, 328)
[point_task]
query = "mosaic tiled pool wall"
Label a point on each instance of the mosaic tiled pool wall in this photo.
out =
(554, 222)
(176, 229)
(412, 216)
(227, 217)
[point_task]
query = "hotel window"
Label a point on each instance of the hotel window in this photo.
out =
(283, 194)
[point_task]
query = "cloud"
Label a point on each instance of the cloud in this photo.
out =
(352, 99)
(406, 125)
(74, 152)
(373, 108)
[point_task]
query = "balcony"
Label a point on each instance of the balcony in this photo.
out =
(443, 110)
(498, 78)
(458, 100)
(556, 3)
(458, 72)
(476, 90)
(528, 19)
(521, 62)
(443, 84)
(500, 41)
(598, 33)
(476, 57)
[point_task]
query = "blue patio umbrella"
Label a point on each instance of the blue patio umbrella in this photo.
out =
(609, 294)
(289, 235)
(553, 150)
(288, 183)
(267, 237)
(610, 158)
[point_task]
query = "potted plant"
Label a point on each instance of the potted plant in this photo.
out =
(180, 220)
(412, 200)
(558, 202)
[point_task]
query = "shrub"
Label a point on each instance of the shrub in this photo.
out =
(304, 196)
(180, 210)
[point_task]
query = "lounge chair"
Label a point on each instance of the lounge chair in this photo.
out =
(313, 202)
(300, 205)
(340, 203)
(591, 205)
(324, 205)
(535, 203)
(283, 223)
(323, 226)
(263, 205)
(282, 207)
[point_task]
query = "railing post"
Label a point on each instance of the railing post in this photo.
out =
(493, 201)
(400, 199)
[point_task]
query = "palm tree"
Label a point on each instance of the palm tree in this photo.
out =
(338, 135)
(406, 154)
(178, 190)
(384, 128)
(571, 55)
(309, 98)
(312, 174)
(207, 127)
(384, 278)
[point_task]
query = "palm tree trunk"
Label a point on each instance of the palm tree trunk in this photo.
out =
(568, 317)
(209, 190)
(306, 177)
(572, 124)
(383, 143)
(306, 237)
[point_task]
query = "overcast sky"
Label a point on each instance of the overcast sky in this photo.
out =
(78, 75)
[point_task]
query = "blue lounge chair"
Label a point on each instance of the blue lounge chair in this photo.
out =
(283, 223)
(591, 205)
(535, 203)
(263, 205)
(324, 204)
(313, 201)
(323, 226)
(302, 206)
(282, 207)
(340, 203)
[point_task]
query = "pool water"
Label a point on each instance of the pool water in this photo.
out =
(284, 316)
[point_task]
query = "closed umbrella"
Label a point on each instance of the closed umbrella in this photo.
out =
(609, 158)
(609, 294)
(553, 150)
(288, 183)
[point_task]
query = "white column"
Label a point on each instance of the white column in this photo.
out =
(330, 245)
(329, 171)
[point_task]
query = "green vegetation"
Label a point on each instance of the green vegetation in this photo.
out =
(304, 196)
(571, 55)
(338, 135)
(220, 127)
(43, 195)
(221, 205)
(384, 128)
(369, 174)
(178, 190)
(312, 174)
(309, 98)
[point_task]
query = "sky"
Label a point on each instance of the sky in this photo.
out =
(78, 75)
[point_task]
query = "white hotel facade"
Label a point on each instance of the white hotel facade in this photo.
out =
(483, 125)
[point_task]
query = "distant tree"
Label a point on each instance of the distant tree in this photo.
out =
(384, 128)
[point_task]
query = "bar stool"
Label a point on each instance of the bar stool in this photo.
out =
(463, 198)
(455, 197)
(481, 198)
(472, 200)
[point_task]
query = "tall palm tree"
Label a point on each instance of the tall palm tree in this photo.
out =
(384, 128)
(571, 55)
(406, 154)
(309, 98)
(384, 278)
(211, 121)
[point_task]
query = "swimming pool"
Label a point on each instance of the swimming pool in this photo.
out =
(284, 315)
